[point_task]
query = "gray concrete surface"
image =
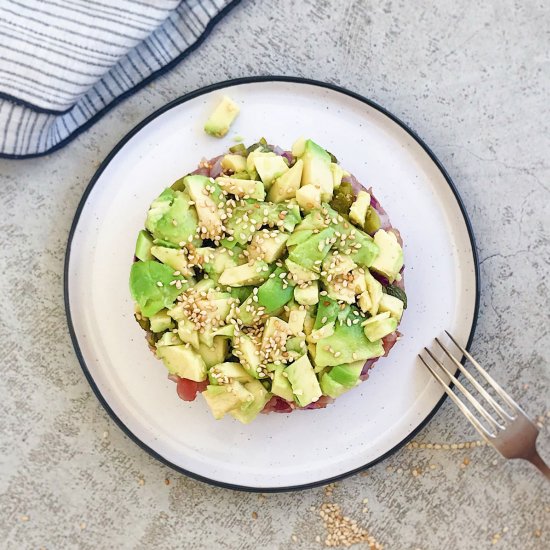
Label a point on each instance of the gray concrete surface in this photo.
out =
(473, 80)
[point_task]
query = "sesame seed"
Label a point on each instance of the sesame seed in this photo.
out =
(159, 283)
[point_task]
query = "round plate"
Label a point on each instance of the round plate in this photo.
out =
(276, 452)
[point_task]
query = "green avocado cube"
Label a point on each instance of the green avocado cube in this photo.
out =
(270, 168)
(390, 258)
(267, 245)
(183, 362)
(250, 409)
(286, 186)
(242, 188)
(303, 381)
(208, 197)
(379, 326)
(309, 197)
(275, 292)
(317, 169)
(224, 373)
(215, 353)
(327, 312)
(222, 399)
(161, 321)
(281, 386)
(235, 163)
(337, 174)
(248, 353)
(393, 305)
(307, 294)
(222, 117)
(311, 253)
(174, 258)
(330, 387)
(358, 210)
(347, 374)
(244, 275)
(143, 246)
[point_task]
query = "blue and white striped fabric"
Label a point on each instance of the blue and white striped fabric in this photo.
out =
(64, 62)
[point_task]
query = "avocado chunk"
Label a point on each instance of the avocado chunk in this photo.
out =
(307, 294)
(359, 246)
(311, 253)
(267, 245)
(222, 117)
(347, 345)
(286, 186)
(270, 168)
(347, 374)
(317, 170)
(174, 258)
(327, 312)
(337, 174)
(144, 243)
(358, 210)
(241, 188)
(374, 289)
(207, 337)
(183, 361)
(161, 321)
(172, 219)
(296, 319)
(280, 385)
(248, 353)
(330, 387)
(379, 326)
(222, 399)
(207, 197)
(150, 286)
(338, 264)
(215, 353)
(251, 273)
(298, 237)
(274, 339)
(168, 339)
(275, 292)
(224, 373)
(303, 381)
(300, 274)
(298, 147)
(309, 197)
(390, 258)
(393, 305)
(249, 410)
(234, 163)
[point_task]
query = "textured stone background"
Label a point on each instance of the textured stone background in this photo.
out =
(473, 80)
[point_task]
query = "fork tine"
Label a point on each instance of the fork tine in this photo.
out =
(496, 407)
(480, 408)
(511, 403)
(483, 432)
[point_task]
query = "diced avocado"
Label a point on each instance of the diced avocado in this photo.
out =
(296, 319)
(338, 264)
(168, 339)
(143, 246)
(224, 373)
(308, 197)
(172, 219)
(309, 321)
(379, 326)
(150, 286)
(305, 385)
(313, 221)
(221, 399)
(327, 312)
(337, 174)
(364, 301)
(347, 374)
(274, 338)
(358, 210)
(183, 361)
(286, 186)
(222, 117)
(275, 292)
(161, 321)
(359, 246)
(298, 147)
(346, 345)
(312, 252)
(358, 283)
(235, 163)
(270, 168)
(296, 346)
(257, 152)
(247, 274)
(173, 258)
(374, 288)
(330, 387)
(187, 332)
(323, 332)
(298, 237)
(300, 274)
(242, 188)
(372, 221)
(390, 258)
(218, 262)
(204, 285)
(398, 292)
(208, 336)
(337, 288)
(307, 295)
(393, 305)
(281, 386)
(248, 354)
(241, 293)
(207, 197)
(317, 170)
(216, 353)
(247, 412)
(267, 245)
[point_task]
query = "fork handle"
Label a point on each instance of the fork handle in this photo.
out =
(537, 461)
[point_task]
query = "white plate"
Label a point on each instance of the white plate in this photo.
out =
(277, 451)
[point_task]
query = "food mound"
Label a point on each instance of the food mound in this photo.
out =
(268, 280)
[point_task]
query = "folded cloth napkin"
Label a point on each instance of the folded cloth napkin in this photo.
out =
(63, 63)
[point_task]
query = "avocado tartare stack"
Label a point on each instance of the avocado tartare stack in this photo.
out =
(268, 280)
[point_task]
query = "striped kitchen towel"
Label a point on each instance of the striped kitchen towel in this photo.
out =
(64, 63)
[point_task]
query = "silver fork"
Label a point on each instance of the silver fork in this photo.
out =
(513, 434)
